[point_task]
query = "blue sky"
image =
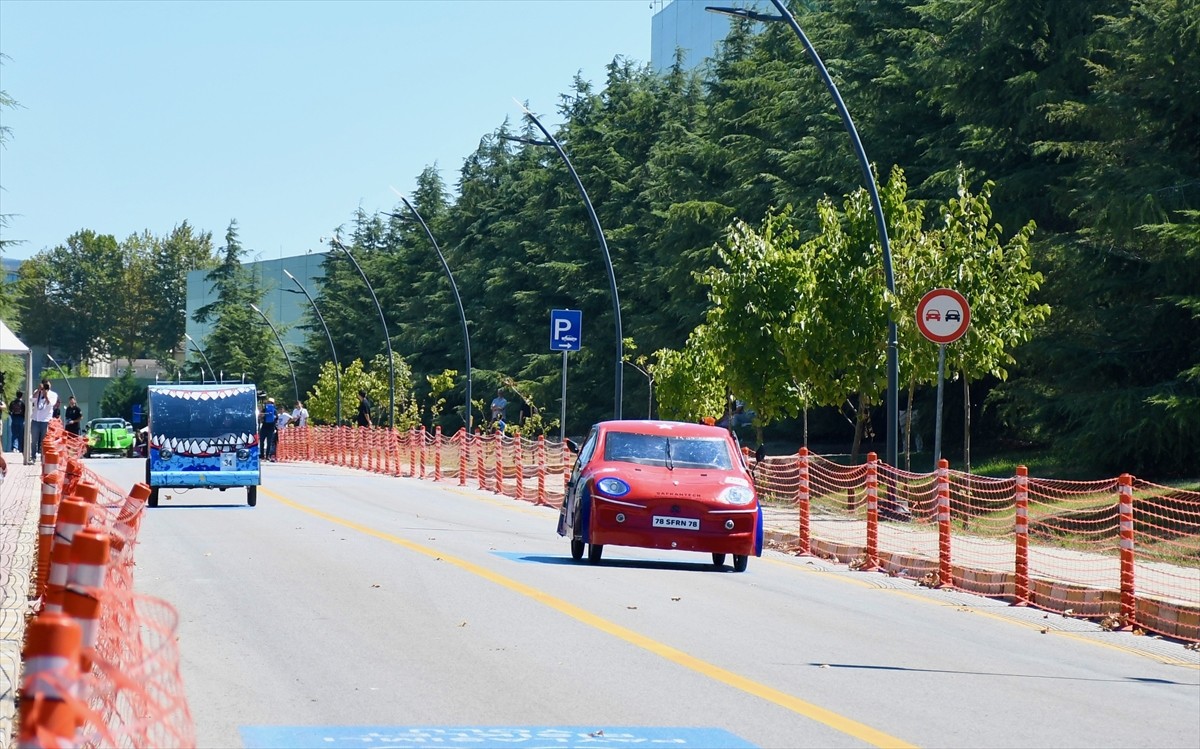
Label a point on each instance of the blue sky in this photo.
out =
(287, 116)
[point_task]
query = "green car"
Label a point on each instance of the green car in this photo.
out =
(109, 436)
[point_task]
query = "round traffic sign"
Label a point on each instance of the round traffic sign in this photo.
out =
(943, 315)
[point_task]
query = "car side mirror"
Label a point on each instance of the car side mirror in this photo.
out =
(571, 445)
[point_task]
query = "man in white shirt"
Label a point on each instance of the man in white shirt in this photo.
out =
(300, 415)
(45, 401)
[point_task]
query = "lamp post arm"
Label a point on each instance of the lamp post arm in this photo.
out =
(387, 338)
(203, 355)
(337, 369)
(612, 278)
(881, 224)
(279, 339)
(462, 315)
(64, 374)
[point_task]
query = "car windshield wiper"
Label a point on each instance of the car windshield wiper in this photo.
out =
(670, 465)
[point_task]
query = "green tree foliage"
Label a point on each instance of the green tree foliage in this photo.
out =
(240, 343)
(690, 382)
(121, 395)
(71, 296)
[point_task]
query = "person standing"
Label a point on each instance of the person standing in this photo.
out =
(16, 420)
(45, 402)
(266, 433)
(499, 405)
(72, 416)
(363, 417)
(300, 415)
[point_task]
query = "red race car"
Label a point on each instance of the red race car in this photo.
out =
(662, 485)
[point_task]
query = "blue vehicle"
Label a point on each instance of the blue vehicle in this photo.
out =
(203, 437)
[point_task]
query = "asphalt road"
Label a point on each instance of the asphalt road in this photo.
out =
(351, 609)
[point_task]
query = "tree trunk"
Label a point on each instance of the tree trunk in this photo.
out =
(860, 423)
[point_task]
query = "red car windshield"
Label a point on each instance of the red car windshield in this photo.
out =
(672, 452)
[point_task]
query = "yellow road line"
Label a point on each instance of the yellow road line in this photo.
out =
(817, 713)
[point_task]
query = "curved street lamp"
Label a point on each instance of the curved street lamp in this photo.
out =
(387, 338)
(60, 371)
(612, 278)
(337, 370)
(200, 351)
(285, 351)
(467, 414)
(893, 365)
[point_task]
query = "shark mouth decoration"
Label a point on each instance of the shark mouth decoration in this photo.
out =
(206, 447)
(204, 395)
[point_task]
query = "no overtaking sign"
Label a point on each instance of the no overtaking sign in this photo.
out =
(943, 315)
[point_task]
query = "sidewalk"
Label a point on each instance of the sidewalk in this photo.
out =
(1084, 583)
(20, 497)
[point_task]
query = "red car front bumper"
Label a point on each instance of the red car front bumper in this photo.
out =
(674, 524)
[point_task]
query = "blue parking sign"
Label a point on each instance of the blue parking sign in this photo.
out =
(566, 329)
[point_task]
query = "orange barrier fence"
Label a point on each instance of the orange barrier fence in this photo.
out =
(1122, 551)
(101, 665)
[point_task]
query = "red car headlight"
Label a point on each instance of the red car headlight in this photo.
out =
(612, 486)
(736, 495)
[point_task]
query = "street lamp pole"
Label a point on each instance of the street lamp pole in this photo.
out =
(337, 370)
(64, 374)
(201, 352)
(893, 366)
(295, 388)
(387, 339)
(462, 316)
(612, 278)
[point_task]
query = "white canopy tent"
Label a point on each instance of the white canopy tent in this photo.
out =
(10, 344)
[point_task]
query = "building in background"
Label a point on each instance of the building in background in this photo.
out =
(687, 26)
(12, 269)
(282, 302)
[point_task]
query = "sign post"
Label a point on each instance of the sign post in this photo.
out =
(942, 316)
(566, 333)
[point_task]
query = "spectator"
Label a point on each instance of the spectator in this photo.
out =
(45, 403)
(300, 414)
(499, 404)
(266, 432)
(16, 425)
(72, 416)
(363, 417)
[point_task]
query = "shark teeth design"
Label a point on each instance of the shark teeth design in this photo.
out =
(191, 447)
(183, 393)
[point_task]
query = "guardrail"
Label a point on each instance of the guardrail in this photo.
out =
(1122, 551)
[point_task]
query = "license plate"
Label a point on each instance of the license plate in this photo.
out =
(228, 461)
(686, 524)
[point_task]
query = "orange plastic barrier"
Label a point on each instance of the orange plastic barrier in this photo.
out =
(101, 663)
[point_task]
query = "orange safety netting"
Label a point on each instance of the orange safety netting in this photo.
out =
(128, 692)
(1048, 543)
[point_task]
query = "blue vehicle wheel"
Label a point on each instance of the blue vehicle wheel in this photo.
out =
(758, 533)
